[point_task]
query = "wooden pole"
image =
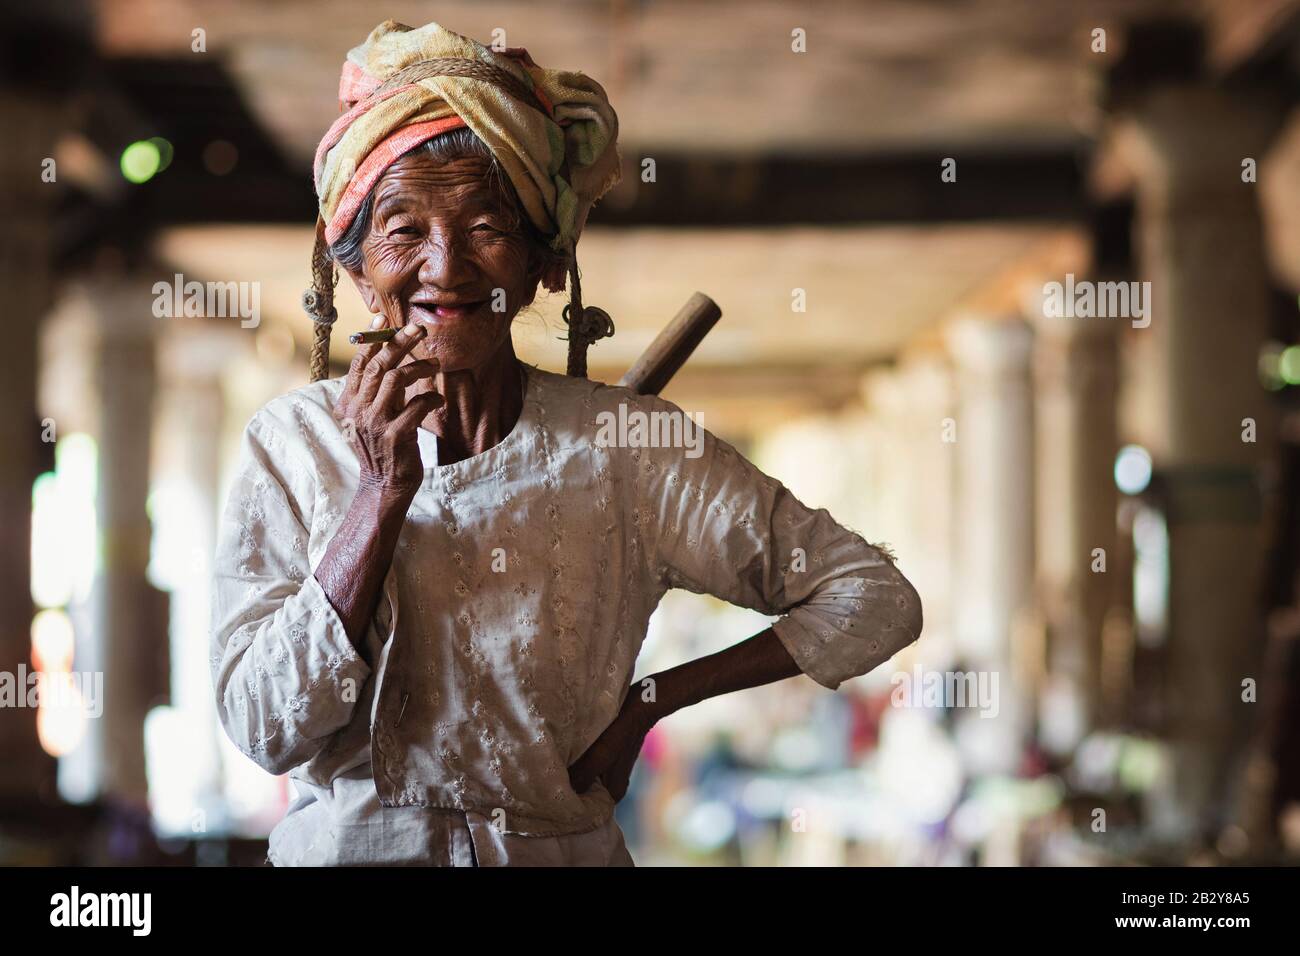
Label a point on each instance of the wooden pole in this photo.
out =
(673, 346)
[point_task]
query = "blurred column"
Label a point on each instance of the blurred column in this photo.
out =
(1201, 245)
(1076, 377)
(915, 403)
(191, 420)
(994, 587)
(130, 632)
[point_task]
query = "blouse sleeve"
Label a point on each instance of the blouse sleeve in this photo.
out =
(285, 673)
(723, 527)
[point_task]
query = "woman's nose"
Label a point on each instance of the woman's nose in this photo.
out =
(446, 262)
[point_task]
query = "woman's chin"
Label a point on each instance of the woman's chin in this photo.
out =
(453, 357)
(463, 349)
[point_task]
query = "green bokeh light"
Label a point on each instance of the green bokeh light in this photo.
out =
(1288, 365)
(141, 161)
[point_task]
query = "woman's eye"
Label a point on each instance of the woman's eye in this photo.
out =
(483, 228)
(405, 231)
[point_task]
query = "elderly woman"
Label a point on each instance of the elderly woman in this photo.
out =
(433, 579)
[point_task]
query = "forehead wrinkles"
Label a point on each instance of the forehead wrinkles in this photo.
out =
(465, 184)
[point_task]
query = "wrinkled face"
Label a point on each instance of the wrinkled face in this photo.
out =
(447, 250)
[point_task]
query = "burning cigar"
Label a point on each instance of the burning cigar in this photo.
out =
(372, 335)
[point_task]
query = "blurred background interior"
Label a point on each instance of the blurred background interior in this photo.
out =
(1101, 516)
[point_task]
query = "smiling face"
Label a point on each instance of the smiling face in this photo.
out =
(447, 249)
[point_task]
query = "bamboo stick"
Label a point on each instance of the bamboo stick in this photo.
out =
(673, 346)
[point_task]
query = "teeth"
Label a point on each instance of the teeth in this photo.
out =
(436, 306)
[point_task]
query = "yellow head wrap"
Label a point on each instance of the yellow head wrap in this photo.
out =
(553, 132)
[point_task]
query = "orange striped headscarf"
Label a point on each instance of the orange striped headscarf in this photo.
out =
(553, 131)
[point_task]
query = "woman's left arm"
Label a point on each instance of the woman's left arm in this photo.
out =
(718, 525)
(761, 659)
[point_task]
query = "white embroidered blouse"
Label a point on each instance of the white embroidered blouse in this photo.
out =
(511, 619)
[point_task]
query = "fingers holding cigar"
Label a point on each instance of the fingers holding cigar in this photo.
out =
(388, 393)
(370, 346)
(377, 359)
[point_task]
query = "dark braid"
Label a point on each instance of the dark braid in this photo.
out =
(318, 301)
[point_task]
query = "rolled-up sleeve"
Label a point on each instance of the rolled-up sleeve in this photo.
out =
(725, 528)
(285, 673)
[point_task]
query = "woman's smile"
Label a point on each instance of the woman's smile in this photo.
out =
(442, 313)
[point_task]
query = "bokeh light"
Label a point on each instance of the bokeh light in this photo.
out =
(1288, 365)
(141, 161)
(1132, 469)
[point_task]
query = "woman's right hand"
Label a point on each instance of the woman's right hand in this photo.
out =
(379, 421)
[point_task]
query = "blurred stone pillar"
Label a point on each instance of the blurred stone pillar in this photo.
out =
(994, 586)
(916, 401)
(1201, 245)
(1075, 381)
(195, 353)
(129, 640)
